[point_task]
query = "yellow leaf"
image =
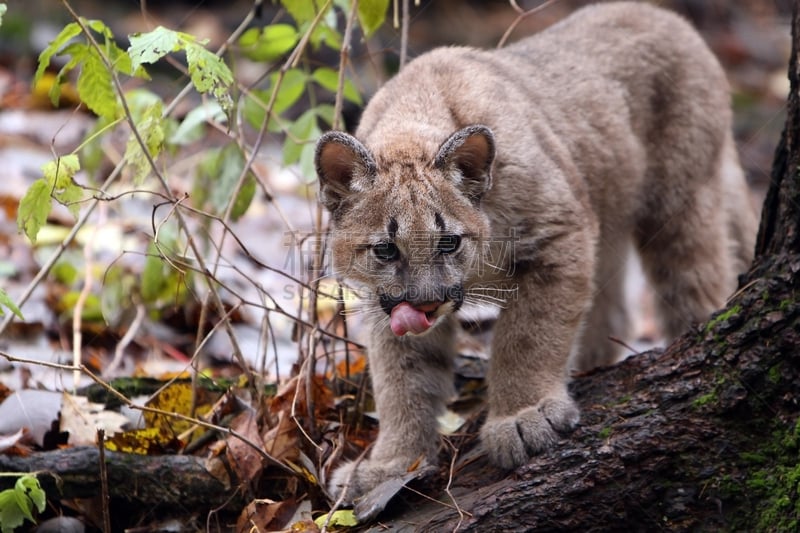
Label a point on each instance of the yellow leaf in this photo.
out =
(340, 518)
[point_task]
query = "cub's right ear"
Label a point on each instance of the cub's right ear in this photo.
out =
(344, 166)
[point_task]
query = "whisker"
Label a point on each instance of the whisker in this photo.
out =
(498, 303)
(491, 288)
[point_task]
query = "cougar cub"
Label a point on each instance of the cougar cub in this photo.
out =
(522, 176)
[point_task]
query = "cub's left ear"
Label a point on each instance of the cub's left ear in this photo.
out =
(470, 152)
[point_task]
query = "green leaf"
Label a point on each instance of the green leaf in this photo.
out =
(371, 14)
(191, 128)
(224, 173)
(96, 88)
(326, 112)
(30, 485)
(245, 197)
(70, 30)
(290, 90)
(154, 277)
(11, 516)
(100, 27)
(151, 131)
(151, 46)
(8, 303)
(340, 518)
(16, 503)
(77, 52)
(3, 9)
(209, 73)
(270, 43)
(34, 209)
(59, 175)
(300, 10)
(328, 35)
(298, 135)
(329, 79)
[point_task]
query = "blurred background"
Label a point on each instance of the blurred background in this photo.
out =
(750, 37)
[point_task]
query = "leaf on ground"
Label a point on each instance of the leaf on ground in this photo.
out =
(266, 515)
(340, 518)
(375, 501)
(245, 460)
(293, 393)
(82, 418)
(33, 409)
(9, 441)
(281, 441)
(356, 365)
(179, 398)
(147, 441)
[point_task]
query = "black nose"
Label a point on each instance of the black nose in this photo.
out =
(421, 297)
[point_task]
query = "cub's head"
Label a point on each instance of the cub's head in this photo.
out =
(408, 230)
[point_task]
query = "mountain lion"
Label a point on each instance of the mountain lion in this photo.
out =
(521, 176)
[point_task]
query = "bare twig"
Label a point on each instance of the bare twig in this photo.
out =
(404, 34)
(119, 350)
(77, 311)
(521, 15)
(101, 448)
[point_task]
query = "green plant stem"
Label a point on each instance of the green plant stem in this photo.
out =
(112, 177)
(219, 304)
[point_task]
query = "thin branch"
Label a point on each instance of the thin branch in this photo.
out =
(404, 34)
(521, 15)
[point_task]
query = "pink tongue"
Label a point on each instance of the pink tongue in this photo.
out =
(405, 318)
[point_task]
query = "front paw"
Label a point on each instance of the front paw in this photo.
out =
(512, 440)
(358, 478)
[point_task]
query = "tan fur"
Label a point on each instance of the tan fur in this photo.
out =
(609, 130)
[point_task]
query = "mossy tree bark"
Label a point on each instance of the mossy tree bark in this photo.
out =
(702, 436)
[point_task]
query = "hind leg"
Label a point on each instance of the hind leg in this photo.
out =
(686, 255)
(608, 317)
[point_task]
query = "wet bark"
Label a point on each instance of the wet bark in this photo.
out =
(136, 482)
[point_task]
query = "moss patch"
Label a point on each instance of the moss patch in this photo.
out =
(723, 316)
(773, 481)
(705, 399)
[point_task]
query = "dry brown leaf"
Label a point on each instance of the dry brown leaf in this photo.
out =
(281, 441)
(244, 459)
(266, 516)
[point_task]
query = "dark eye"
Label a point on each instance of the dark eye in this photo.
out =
(386, 251)
(448, 244)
